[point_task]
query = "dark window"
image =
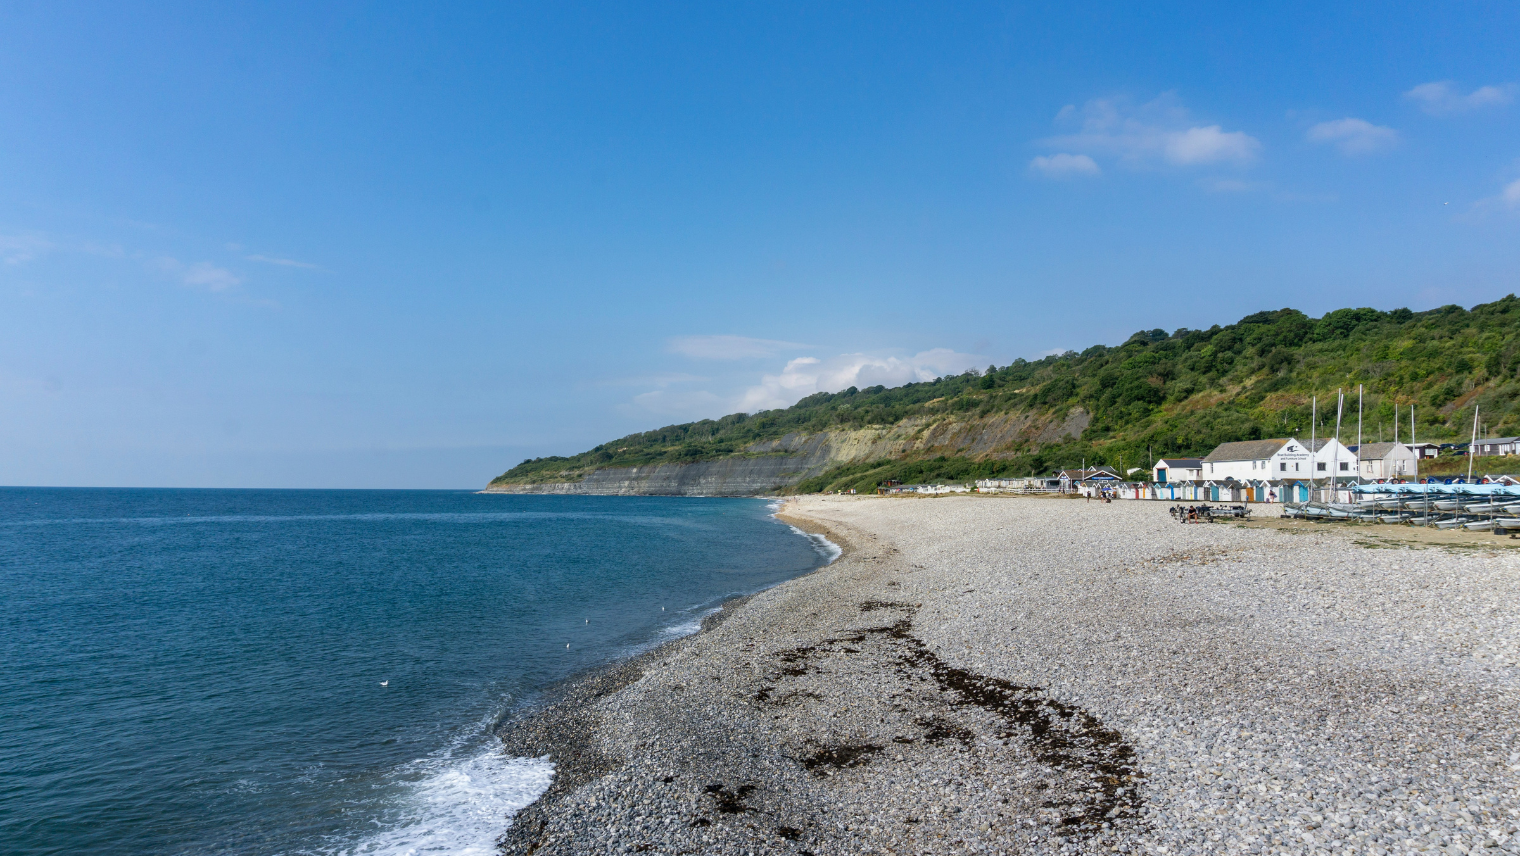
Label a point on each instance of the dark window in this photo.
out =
(1321, 467)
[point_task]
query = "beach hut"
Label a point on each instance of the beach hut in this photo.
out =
(1080, 479)
(1169, 470)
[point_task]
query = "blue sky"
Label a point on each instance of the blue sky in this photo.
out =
(408, 245)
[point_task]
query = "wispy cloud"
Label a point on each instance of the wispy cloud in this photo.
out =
(683, 403)
(1442, 97)
(271, 260)
(200, 274)
(1065, 165)
(1505, 202)
(1230, 185)
(18, 249)
(658, 380)
(1159, 131)
(728, 347)
(1511, 194)
(1354, 136)
(806, 375)
(797, 379)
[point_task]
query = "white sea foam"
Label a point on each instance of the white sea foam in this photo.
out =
(460, 808)
(687, 628)
(826, 548)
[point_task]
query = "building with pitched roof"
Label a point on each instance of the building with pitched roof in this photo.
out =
(1089, 474)
(1169, 470)
(1387, 461)
(1283, 458)
(1497, 446)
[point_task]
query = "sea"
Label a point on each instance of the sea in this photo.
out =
(321, 672)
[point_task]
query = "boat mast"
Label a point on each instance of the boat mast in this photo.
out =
(1335, 454)
(1359, 432)
(1313, 454)
(1411, 441)
(1472, 448)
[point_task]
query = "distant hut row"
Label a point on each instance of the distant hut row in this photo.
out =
(1276, 470)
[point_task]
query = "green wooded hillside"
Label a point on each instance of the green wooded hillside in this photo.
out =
(1157, 394)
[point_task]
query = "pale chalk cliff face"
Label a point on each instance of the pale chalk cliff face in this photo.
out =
(772, 465)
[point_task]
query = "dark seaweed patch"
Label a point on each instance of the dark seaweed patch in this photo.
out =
(730, 801)
(1060, 735)
(937, 729)
(840, 757)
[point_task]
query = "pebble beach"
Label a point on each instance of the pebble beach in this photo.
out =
(1022, 675)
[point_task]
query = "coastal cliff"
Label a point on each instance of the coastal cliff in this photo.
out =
(1158, 394)
(770, 466)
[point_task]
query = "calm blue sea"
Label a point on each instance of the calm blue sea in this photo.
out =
(318, 672)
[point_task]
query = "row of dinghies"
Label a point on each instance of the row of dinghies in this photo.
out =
(1474, 507)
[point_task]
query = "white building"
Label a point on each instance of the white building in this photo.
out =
(1278, 459)
(1387, 461)
(1169, 470)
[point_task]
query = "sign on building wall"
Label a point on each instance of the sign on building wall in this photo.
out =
(1296, 458)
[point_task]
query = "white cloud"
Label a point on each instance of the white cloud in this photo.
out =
(200, 274)
(1064, 166)
(1441, 97)
(1210, 145)
(270, 260)
(1158, 131)
(728, 347)
(1353, 136)
(806, 375)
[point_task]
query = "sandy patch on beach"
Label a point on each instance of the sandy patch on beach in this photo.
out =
(1017, 675)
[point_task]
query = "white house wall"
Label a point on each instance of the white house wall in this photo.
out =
(1292, 461)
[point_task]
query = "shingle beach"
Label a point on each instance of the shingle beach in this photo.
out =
(1016, 675)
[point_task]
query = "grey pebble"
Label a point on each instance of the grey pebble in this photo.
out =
(1016, 675)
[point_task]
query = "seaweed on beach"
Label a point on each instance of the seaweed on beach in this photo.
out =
(730, 801)
(1059, 735)
(840, 757)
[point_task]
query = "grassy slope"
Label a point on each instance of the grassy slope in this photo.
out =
(1157, 394)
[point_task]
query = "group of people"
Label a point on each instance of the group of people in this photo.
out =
(1103, 495)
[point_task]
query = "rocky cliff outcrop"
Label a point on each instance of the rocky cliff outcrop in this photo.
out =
(771, 465)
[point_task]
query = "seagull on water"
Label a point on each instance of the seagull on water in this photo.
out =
(385, 683)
